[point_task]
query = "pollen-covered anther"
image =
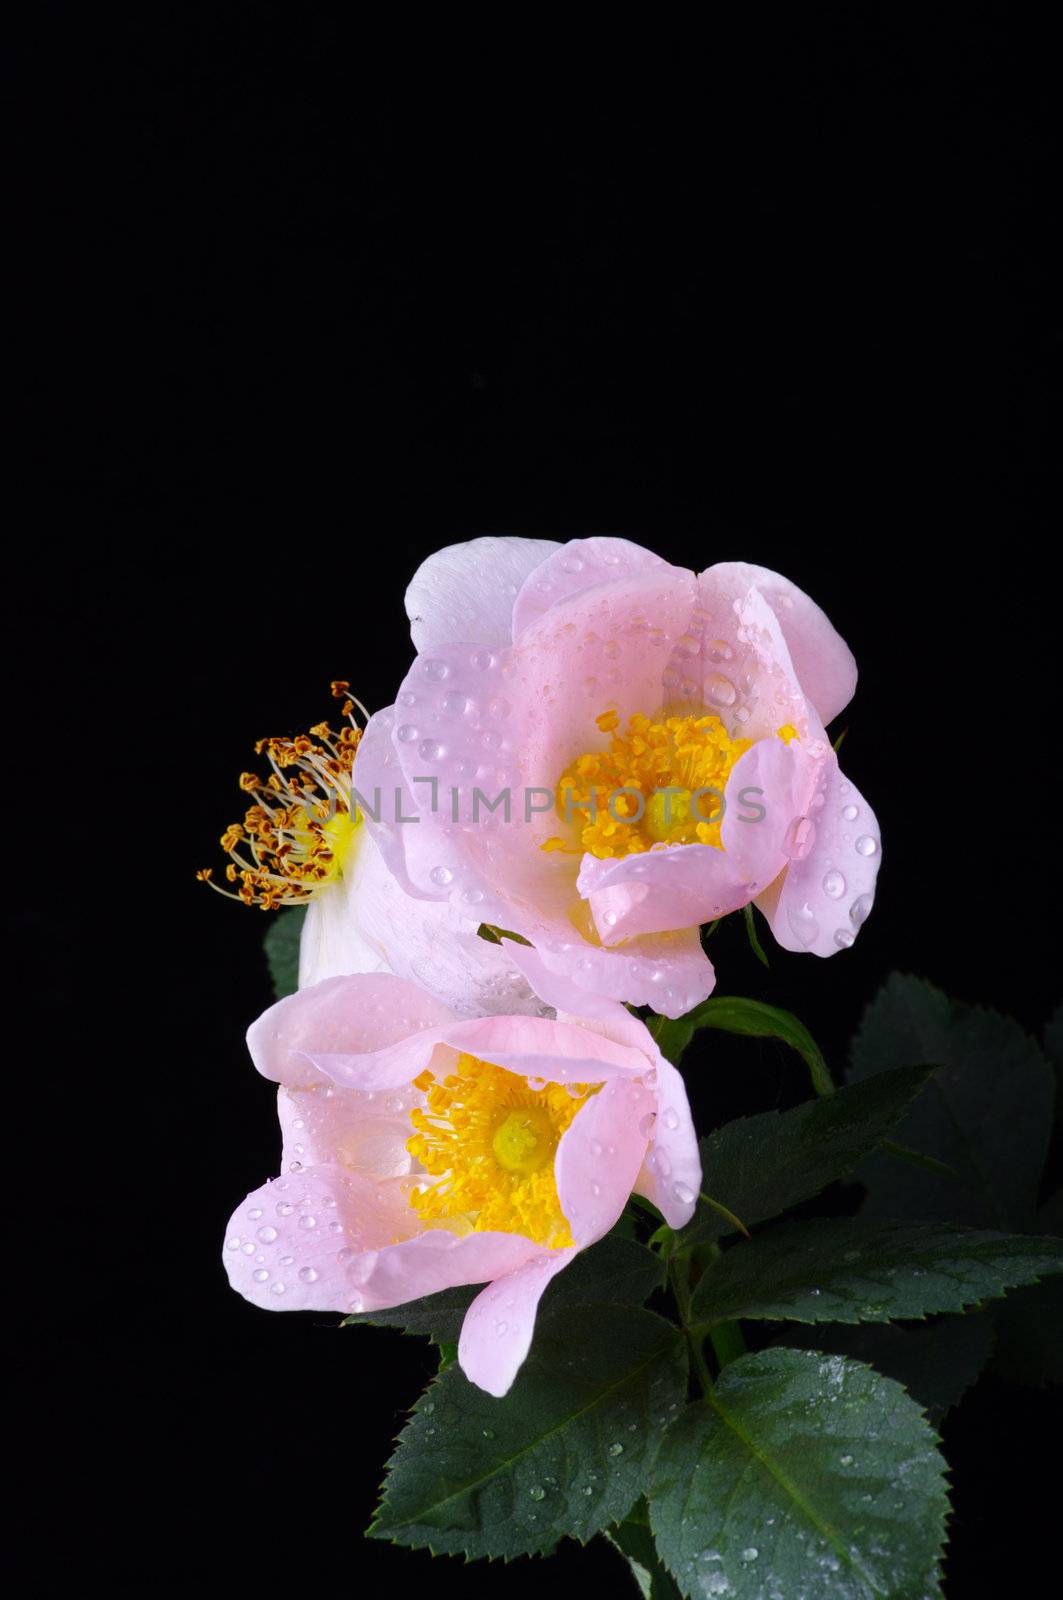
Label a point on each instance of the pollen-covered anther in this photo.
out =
(656, 783)
(486, 1142)
(294, 839)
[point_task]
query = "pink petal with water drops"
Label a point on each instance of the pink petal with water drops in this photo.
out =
(467, 591)
(327, 1126)
(671, 1176)
(573, 568)
(350, 1016)
(821, 901)
(497, 1332)
(824, 664)
(534, 1047)
(599, 1157)
(669, 972)
(435, 1260)
(304, 1242)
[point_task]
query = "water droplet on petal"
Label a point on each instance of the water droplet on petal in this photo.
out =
(406, 734)
(441, 876)
(834, 884)
(267, 1235)
(260, 1275)
(844, 938)
(670, 1118)
(804, 925)
(436, 670)
(800, 837)
(720, 650)
(860, 909)
(720, 690)
(683, 1193)
(308, 1274)
(850, 813)
(866, 845)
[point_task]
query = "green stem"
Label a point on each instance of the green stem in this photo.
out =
(726, 1338)
(676, 1277)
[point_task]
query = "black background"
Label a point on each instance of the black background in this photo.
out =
(299, 306)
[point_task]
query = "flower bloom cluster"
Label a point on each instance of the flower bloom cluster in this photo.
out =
(464, 1110)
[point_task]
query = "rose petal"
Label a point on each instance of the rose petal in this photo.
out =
(575, 567)
(822, 661)
(822, 900)
(466, 591)
(599, 1156)
(497, 1332)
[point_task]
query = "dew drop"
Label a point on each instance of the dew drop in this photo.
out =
(406, 734)
(442, 876)
(720, 690)
(430, 750)
(670, 1118)
(436, 670)
(255, 1213)
(501, 1326)
(308, 1222)
(616, 1449)
(454, 703)
(846, 1461)
(260, 1275)
(866, 845)
(860, 909)
(850, 813)
(278, 1287)
(804, 925)
(834, 884)
(720, 650)
(800, 837)
(267, 1235)
(308, 1274)
(646, 1126)
(750, 1553)
(844, 938)
(683, 1193)
(537, 1492)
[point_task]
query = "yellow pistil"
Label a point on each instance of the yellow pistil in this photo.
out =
(681, 754)
(296, 837)
(488, 1140)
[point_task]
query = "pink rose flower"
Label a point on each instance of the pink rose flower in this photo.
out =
(660, 736)
(422, 1150)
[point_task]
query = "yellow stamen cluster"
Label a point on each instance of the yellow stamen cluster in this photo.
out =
(674, 753)
(488, 1139)
(295, 838)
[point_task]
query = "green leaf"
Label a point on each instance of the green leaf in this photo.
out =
(837, 1270)
(615, 1269)
(801, 1474)
(936, 1363)
(754, 1019)
(1029, 1325)
(760, 1166)
(568, 1451)
(987, 1112)
(633, 1539)
(281, 945)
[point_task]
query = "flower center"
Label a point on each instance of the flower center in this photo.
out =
(487, 1139)
(659, 782)
(297, 836)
